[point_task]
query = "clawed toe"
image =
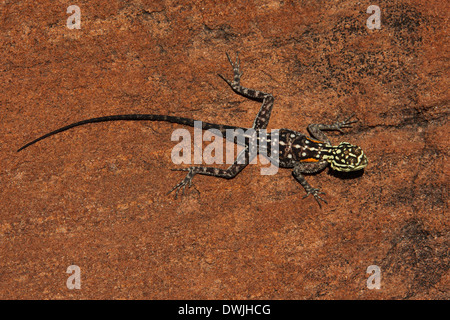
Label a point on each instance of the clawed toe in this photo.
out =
(236, 64)
(224, 79)
(182, 185)
(346, 123)
(185, 182)
(316, 193)
(236, 70)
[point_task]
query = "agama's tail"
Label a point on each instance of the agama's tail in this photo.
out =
(136, 117)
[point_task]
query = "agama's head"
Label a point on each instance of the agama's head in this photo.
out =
(347, 157)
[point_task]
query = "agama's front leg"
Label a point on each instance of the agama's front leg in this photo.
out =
(311, 167)
(262, 118)
(316, 130)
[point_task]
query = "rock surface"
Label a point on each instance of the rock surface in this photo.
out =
(95, 196)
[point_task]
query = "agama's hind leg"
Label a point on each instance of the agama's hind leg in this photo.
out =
(239, 164)
(262, 118)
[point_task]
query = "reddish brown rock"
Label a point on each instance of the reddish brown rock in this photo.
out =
(95, 196)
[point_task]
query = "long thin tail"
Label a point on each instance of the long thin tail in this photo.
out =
(135, 117)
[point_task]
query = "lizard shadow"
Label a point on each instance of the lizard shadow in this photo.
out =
(345, 175)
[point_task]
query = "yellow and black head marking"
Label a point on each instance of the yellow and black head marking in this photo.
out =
(347, 157)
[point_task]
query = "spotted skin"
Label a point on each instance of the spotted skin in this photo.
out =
(304, 154)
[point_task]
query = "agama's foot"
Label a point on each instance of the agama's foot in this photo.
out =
(185, 182)
(236, 70)
(316, 193)
(344, 124)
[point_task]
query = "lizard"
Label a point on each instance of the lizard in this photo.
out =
(303, 154)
